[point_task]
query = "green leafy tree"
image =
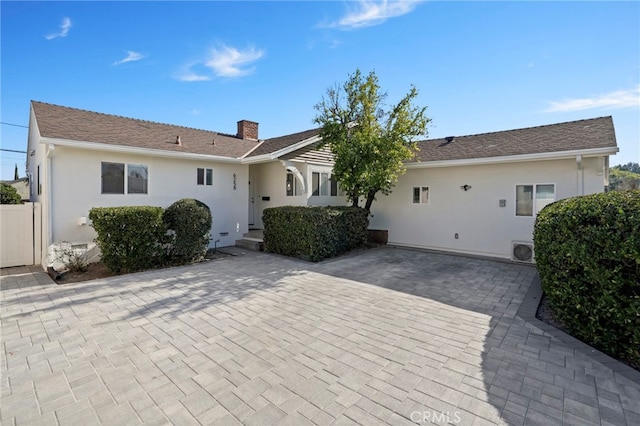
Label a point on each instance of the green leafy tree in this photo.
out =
(15, 173)
(629, 167)
(370, 144)
(9, 195)
(622, 178)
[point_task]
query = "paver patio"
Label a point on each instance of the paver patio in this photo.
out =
(387, 336)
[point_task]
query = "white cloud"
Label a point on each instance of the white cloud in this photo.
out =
(369, 13)
(65, 26)
(188, 75)
(620, 99)
(131, 57)
(223, 61)
(229, 62)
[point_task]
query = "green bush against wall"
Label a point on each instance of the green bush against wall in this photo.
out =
(189, 223)
(130, 238)
(588, 256)
(142, 237)
(314, 233)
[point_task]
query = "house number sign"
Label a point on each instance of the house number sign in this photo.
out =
(234, 181)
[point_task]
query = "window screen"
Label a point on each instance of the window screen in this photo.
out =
(112, 178)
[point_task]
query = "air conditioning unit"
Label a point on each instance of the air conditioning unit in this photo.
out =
(522, 251)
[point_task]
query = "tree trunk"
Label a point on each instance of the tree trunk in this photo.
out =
(371, 195)
(354, 197)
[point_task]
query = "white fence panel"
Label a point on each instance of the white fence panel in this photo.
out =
(20, 234)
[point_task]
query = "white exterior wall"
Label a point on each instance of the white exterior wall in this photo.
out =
(270, 181)
(39, 159)
(76, 188)
(483, 227)
(322, 200)
(593, 170)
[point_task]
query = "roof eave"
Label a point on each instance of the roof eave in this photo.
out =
(283, 151)
(560, 155)
(96, 146)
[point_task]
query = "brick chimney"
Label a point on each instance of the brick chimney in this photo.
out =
(248, 130)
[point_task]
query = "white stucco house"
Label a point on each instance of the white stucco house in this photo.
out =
(472, 194)
(480, 194)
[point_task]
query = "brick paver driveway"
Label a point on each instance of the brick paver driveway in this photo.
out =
(388, 336)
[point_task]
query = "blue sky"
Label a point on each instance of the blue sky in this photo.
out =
(479, 66)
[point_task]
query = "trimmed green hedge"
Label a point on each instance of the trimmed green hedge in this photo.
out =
(130, 238)
(588, 257)
(314, 233)
(189, 224)
(143, 237)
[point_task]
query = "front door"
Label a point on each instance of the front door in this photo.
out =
(252, 200)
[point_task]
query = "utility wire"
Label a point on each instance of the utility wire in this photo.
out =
(15, 125)
(13, 150)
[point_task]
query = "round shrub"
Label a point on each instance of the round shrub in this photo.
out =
(588, 257)
(189, 223)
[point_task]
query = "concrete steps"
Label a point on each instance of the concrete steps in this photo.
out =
(252, 240)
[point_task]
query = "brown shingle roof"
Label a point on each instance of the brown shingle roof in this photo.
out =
(569, 136)
(80, 125)
(275, 144)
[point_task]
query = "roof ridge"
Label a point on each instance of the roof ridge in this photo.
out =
(294, 133)
(521, 128)
(135, 119)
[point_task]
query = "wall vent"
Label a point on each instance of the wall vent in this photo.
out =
(522, 251)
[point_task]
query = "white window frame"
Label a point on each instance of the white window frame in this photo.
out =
(335, 184)
(421, 195)
(128, 182)
(295, 186)
(39, 186)
(125, 169)
(207, 176)
(324, 183)
(537, 204)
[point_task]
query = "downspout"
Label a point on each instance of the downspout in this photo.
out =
(48, 196)
(580, 174)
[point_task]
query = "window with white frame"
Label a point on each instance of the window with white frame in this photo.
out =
(137, 179)
(420, 195)
(530, 199)
(204, 176)
(39, 181)
(319, 184)
(335, 187)
(114, 179)
(324, 184)
(293, 187)
(340, 189)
